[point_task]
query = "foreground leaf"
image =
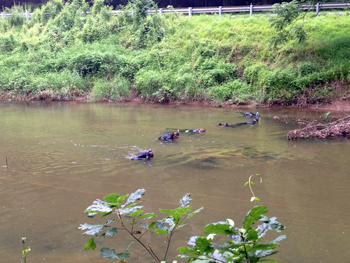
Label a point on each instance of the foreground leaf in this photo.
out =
(185, 200)
(90, 244)
(108, 253)
(135, 196)
(253, 215)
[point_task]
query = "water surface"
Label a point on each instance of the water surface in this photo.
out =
(64, 155)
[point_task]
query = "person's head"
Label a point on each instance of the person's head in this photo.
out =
(150, 153)
(201, 130)
(257, 115)
(176, 135)
(225, 125)
(256, 119)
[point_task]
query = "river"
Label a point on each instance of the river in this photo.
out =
(64, 155)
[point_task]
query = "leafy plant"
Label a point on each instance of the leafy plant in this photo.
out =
(285, 23)
(243, 244)
(129, 216)
(25, 251)
(250, 183)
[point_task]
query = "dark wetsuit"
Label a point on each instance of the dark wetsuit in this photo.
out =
(241, 123)
(247, 122)
(143, 156)
(250, 114)
(167, 137)
(195, 130)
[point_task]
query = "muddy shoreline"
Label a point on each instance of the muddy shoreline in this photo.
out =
(335, 104)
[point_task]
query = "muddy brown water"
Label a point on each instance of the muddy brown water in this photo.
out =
(64, 155)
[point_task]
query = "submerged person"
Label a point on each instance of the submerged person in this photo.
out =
(250, 114)
(201, 130)
(169, 136)
(224, 125)
(256, 120)
(240, 123)
(145, 155)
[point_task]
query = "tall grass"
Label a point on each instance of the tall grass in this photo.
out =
(63, 52)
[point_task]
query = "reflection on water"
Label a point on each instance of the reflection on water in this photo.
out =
(62, 156)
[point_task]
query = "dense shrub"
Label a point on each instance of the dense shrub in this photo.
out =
(7, 43)
(117, 88)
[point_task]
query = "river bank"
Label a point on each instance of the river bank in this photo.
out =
(335, 104)
(206, 59)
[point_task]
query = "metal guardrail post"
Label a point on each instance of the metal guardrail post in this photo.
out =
(220, 10)
(132, 12)
(251, 10)
(317, 8)
(3, 15)
(190, 11)
(160, 11)
(27, 15)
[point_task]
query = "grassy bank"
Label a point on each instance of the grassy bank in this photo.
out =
(171, 57)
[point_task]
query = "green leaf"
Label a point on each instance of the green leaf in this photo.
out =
(153, 224)
(90, 244)
(193, 213)
(203, 245)
(245, 183)
(110, 232)
(161, 231)
(218, 228)
(166, 211)
(257, 199)
(252, 183)
(111, 198)
(136, 213)
(108, 253)
(125, 255)
(134, 196)
(106, 214)
(253, 215)
(252, 234)
(278, 239)
(185, 200)
(147, 215)
(265, 246)
(188, 250)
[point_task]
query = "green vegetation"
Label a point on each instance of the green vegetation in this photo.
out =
(238, 244)
(70, 53)
(25, 251)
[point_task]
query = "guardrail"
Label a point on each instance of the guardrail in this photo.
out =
(222, 9)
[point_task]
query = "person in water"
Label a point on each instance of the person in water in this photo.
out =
(241, 123)
(224, 125)
(169, 136)
(145, 155)
(201, 130)
(250, 114)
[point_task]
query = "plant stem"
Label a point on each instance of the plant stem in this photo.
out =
(250, 186)
(23, 253)
(246, 254)
(148, 250)
(169, 240)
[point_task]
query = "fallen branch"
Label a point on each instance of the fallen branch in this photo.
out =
(314, 129)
